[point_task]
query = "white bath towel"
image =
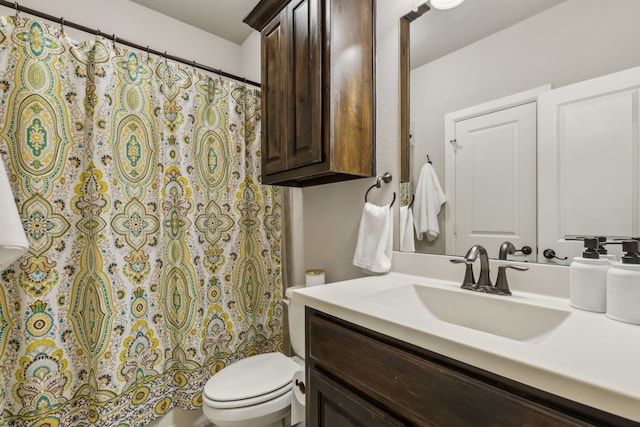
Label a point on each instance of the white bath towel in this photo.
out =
(406, 230)
(13, 240)
(375, 236)
(426, 206)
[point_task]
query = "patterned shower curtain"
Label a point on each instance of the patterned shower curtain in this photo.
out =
(154, 255)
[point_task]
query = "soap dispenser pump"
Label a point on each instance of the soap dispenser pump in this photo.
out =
(591, 246)
(630, 249)
(623, 285)
(588, 279)
(602, 250)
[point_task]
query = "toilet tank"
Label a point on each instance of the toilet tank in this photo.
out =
(296, 321)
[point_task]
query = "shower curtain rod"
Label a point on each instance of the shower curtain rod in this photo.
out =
(63, 22)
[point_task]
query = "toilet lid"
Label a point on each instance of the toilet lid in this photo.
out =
(255, 379)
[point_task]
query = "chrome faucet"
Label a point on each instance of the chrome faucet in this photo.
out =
(505, 249)
(472, 255)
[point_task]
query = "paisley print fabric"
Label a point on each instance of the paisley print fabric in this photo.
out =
(154, 255)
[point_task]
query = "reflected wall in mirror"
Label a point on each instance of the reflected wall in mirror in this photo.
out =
(474, 60)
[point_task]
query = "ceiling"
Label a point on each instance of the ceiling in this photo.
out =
(220, 17)
(451, 29)
(439, 32)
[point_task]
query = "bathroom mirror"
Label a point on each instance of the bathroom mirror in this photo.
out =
(487, 50)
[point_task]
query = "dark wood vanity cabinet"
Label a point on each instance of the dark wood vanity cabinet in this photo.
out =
(358, 377)
(317, 90)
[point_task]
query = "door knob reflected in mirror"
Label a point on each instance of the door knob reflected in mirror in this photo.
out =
(551, 254)
(526, 250)
(508, 248)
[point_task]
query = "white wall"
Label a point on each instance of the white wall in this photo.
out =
(596, 39)
(250, 57)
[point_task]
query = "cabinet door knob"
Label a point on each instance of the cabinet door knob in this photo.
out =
(551, 254)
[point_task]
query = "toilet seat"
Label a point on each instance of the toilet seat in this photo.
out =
(230, 404)
(251, 381)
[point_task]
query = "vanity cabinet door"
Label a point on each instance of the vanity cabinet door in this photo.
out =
(333, 405)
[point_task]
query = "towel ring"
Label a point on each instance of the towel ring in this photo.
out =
(374, 186)
(386, 178)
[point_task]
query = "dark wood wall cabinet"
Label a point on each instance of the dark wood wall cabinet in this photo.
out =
(318, 82)
(358, 377)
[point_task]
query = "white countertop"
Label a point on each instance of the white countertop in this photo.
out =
(589, 358)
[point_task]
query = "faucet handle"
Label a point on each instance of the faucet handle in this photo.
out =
(502, 286)
(469, 281)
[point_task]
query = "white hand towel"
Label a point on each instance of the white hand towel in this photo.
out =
(426, 206)
(13, 240)
(375, 236)
(406, 230)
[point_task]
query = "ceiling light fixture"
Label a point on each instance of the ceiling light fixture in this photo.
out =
(445, 4)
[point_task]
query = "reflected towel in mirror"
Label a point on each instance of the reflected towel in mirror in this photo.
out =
(426, 206)
(406, 230)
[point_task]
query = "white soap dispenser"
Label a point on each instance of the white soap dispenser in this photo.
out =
(623, 285)
(588, 279)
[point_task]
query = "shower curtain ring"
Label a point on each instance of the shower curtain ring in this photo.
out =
(148, 56)
(165, 58)
(17, 10)
(62, 25)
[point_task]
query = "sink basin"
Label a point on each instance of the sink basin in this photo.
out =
(502, 316)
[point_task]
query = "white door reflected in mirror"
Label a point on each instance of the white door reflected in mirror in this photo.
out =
(589, 163)
(491, 176)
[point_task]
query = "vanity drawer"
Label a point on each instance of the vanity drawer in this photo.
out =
(413, 388)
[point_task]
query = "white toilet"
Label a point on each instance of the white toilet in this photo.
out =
(258, 391)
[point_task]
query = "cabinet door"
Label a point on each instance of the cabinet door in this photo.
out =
(333, 405)
(318, 64)
(305, 83)
(274, 95)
